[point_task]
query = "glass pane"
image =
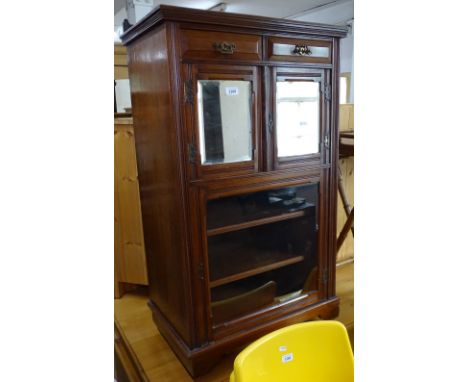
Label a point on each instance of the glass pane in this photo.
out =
(297, 117)
(225, 121)
(263, 262)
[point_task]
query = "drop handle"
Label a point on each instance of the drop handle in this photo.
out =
(302, 50)
(225, 47)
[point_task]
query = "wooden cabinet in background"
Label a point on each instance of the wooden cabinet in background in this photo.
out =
(129, 249)
(120, 62)
(236, 129)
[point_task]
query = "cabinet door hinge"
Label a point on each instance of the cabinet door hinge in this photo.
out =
(326, 141)
(201, 271)
(188, 92)
(192, 153)
(326, 91)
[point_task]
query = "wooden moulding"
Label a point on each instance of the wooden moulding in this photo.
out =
(254, 23)
(200, 360)
(261, 181)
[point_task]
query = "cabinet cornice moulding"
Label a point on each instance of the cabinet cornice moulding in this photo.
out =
(255, 23)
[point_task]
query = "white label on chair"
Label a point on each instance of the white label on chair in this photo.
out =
(287, 357)
(282, 348)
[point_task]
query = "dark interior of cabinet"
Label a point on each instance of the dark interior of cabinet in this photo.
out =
(262, 249)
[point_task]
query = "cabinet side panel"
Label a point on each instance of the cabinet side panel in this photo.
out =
(334, 140)
(159, 178)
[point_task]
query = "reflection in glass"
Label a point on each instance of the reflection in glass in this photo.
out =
(225, 121)
(297, 117)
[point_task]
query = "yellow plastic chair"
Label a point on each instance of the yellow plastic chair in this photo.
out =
(317, 351)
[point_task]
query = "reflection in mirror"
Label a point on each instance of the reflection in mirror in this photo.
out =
(224, 121)
(297, 117)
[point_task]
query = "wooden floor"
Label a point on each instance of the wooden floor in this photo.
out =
(144, 353)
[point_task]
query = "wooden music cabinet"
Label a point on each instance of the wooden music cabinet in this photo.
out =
(237, 134)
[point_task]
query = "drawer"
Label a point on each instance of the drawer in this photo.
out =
(287, 49)
(220, 45)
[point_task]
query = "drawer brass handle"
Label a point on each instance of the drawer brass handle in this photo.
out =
(225, 47)
(302, 50)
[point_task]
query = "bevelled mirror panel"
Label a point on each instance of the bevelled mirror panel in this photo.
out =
(297, 117)
(224, 121)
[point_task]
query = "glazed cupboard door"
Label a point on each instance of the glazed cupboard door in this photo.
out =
(263, 252)
(221, 111)
(299, 121)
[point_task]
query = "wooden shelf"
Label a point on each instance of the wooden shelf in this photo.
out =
(256, 222)
(246, 265)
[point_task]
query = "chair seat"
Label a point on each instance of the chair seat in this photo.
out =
(317, 351)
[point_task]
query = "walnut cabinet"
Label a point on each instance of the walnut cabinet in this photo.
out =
(236, 133)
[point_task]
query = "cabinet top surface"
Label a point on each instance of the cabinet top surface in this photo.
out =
(165, 13)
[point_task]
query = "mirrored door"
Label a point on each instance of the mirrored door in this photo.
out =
(297, 117)
(224, 123)
(300, 116)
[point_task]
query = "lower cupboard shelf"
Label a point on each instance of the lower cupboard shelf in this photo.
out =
(274, 261)
(244, 253)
